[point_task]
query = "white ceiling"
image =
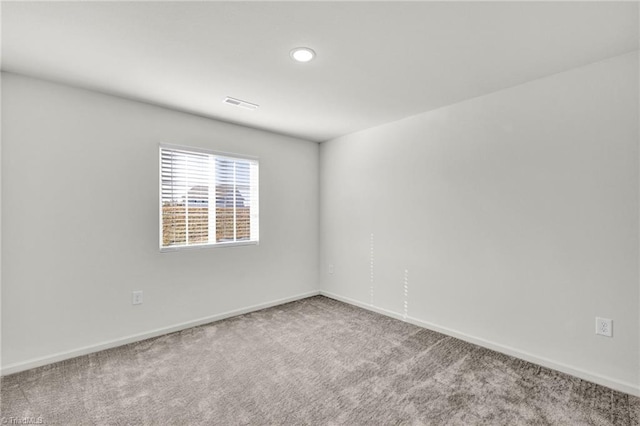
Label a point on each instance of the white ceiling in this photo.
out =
(376, 61)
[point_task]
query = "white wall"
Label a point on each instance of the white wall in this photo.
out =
(80, 222)
(515, 214)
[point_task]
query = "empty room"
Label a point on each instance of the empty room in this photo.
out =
(320, 213)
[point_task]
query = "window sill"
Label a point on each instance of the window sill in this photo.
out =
(206, 246)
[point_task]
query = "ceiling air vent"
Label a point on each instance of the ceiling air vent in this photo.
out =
(240, 104)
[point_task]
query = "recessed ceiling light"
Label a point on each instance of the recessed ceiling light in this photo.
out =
(302, 54)
(240, 103)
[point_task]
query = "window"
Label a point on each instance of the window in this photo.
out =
(207, 198)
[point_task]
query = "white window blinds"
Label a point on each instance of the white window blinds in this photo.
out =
(207, 198)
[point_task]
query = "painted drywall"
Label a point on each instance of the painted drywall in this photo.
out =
(511, 219)
(0, 229)
(80, 222)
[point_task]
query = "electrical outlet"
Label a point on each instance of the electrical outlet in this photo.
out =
(330, 268)
(604, 327)
(137, 297)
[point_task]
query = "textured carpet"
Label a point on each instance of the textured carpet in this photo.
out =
(315, 361)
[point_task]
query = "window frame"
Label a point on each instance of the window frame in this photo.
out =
(229, 155)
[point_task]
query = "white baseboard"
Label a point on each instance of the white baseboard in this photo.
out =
(61, 356)
(618, 385)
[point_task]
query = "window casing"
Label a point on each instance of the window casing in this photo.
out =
(207, 199)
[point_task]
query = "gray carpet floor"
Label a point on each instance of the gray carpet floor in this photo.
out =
(311, 362)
